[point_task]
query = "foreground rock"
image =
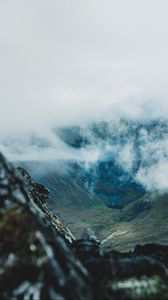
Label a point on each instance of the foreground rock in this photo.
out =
(40, 259)
(36, 261)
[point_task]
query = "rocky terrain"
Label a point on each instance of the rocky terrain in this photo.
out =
(41, 259)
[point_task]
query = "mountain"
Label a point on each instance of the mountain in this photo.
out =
(143, 221)
(104, 183)
(115, 184)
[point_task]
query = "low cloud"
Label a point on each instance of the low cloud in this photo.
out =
(78, 62)
(69, 62)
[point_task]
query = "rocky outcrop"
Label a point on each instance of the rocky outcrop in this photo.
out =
(40, 195)
(40, 259)
(38, 191)
(138, 274)
(36, 261)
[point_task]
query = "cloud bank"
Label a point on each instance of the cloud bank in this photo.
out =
(65, 62)
(74, 62)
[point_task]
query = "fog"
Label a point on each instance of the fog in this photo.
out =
(74, 62)
(66, 62)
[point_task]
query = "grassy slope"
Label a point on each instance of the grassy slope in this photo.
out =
(149, 226)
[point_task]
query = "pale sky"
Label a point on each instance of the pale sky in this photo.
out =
(71, 61)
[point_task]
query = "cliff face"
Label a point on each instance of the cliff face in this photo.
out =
(40, 259)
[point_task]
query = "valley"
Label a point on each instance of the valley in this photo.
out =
(107, 194)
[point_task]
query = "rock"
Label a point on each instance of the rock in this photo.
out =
(36, 261)
(134, 275)
(86, 249)
(158, 252)
(40, 195)
(38, 191)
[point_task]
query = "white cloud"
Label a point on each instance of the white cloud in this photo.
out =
(155, 177)
(67, 62)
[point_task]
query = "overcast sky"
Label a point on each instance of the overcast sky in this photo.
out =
(70, 61)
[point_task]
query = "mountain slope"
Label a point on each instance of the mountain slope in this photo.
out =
(130, 225)
(117, 169)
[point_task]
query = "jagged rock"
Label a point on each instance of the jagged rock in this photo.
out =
(40, 195)
(36, 261)
(37, 190)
